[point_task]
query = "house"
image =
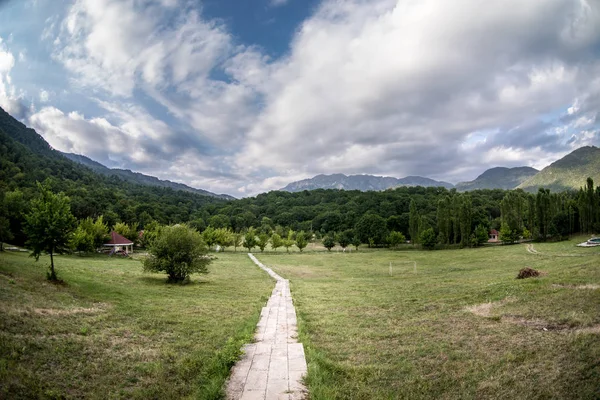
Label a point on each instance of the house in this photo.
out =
(119, 243)
(493, 236)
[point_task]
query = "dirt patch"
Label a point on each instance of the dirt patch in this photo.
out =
(528, 273)
(591, 329)
(535, 323)
(485, 309)
(588, 286)
(98, 307)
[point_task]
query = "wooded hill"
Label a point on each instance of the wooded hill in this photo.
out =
(25, 158)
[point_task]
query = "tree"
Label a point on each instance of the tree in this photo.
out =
(428, 239)
(210, 236)
(5, 233)
(301, 241)
(344, 238)
(129, 231)
(49, 225)
(413, 222)
(289, 242)
(263, 240)
(179, 251)
(508, 236)
(249, 240)
(329, 242)
(371, 228)
(276, 241)
(481, 235)
(82, 241)
(395, 239)
(223, 238)
(356, 242)
(237, 240)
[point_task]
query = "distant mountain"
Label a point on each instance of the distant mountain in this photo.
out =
(498, 178)
(361, 182)
(136, 177)
(568, 173)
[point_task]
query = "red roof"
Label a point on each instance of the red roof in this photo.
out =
(493, 232)
(117, 239)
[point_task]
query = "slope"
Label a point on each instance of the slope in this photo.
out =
(498, 178)
(568, 173)
(361, 182)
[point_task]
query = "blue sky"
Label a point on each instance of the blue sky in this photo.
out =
(242, 97)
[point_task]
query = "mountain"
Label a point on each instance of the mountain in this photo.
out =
(139, 178)
(498, 178)
(360, 182)
(568, 173)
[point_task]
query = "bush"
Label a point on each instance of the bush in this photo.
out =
(179, 252)
(428, 239)
(329, 242)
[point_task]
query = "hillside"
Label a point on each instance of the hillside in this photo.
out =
(139, 178)
(498, 178)
(568, 173)
(361, 182)
(26, 158)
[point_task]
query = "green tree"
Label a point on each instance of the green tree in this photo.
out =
(301, 241)
(249, 240)
(276, 241)
(210, 236)
(5, 233)
(428, 239)
(237, 240)
(508, 236)
(129, 231)
(344, 238)
(356, 242)
(481, 235)
(395, 239)
(178, 251)
(223, 238)
(413, 222)
(82, 241)
(49, 225)
(289, 241)
(263, 241)
(371, 228)
(328, 242)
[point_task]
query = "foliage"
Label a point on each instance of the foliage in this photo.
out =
(49, 225)
(428, 239)
(289, 241)
(263, 240)
(344, 238)
(250, 240)
(128, 231)
(236, 240)
(481, 235)
(396, 238)
(301, 241)
(372, 229)
(178, 251)
(508, 236)
(328, 242)
(276, 241)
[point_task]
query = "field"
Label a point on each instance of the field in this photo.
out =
(462, 326)
(112, 331)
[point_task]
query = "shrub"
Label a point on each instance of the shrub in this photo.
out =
(179, 252)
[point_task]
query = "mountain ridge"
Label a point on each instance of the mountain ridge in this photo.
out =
(567, 173)
(138, 177)
(498, 178)
(363, 182)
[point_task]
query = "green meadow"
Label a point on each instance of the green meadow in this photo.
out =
(459, 326)
(112, 331)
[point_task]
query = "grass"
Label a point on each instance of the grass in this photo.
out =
(112, 331)
(369, 335)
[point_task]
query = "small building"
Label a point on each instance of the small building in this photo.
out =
(494, 236)
(119, 243)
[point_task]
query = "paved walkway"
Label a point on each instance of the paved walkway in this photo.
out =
(272, 367)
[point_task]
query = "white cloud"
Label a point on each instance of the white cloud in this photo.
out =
(44, 96)
(393, 87)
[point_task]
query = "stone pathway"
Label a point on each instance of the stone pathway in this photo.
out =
(272, 367)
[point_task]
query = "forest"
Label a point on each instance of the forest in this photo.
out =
(434, 216)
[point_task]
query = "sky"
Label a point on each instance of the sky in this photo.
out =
(246, 96)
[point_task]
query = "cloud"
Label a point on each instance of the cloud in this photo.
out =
(11, 100)
(394, 87)
(389, 87)
(278, 3)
